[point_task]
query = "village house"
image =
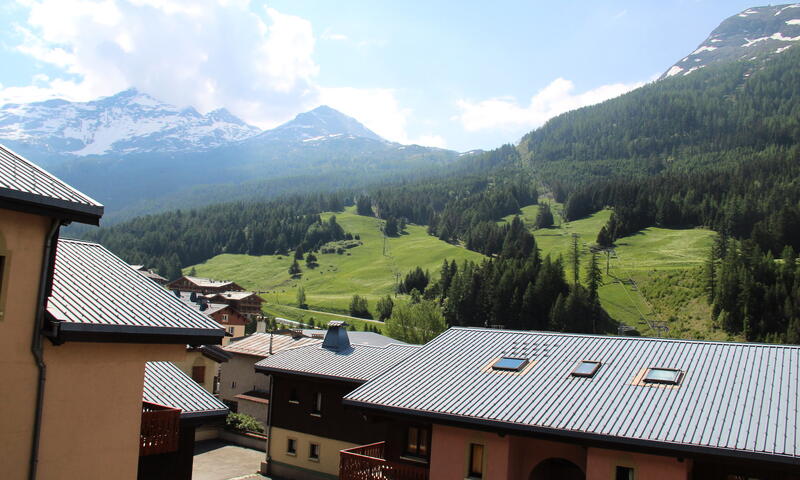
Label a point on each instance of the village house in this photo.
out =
(203, 285)
(151, 274)
(77, 326)
(227, 316)
(177, 405)
(309, 425)
(202, 365)
(246, 303)
(241, 388)
(493, 404)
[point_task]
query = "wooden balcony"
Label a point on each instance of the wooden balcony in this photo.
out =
(368, 462)
(159, 433)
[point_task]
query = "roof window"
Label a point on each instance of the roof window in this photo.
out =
(510, 364)
(664, 376)
(586, 369)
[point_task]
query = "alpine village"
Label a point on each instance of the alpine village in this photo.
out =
(614, 296)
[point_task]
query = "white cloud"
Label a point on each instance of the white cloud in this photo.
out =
(556, 98)
(209, 54)
(258, 63)
(329, 35)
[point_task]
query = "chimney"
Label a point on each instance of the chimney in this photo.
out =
(336, 339)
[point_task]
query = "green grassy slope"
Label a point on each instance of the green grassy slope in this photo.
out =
(364, 270)
(653, 274)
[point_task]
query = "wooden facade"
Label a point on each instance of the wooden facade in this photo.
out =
(187, 284)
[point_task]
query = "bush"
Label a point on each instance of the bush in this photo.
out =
(242, 422)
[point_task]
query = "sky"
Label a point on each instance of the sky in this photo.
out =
(461, 75)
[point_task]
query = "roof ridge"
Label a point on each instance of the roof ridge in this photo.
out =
(623, 337)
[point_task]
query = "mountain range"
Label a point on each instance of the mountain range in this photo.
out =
(755, 33)
(137, 154)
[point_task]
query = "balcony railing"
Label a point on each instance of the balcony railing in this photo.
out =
(160, 427)
(368, 462)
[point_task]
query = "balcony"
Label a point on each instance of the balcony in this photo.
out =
(368, 462)
(159, 433)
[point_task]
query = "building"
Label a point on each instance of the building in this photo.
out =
(203, 285)
(77, 327)
(357, 338)
(228, 317)
(309, 424)
(244, 390)
(151, 274)
(202, 365)
(246, 303)
(494, 404)
(173, 400)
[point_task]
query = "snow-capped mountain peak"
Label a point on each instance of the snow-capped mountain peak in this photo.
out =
(127, 122)
(757, 32)
(319, 124)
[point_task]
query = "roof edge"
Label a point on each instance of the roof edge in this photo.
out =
(265, 370)
(678, 447)
(87, 332)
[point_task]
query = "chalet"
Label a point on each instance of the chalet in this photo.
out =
(244, 390)
(227, 316)
(309, 425)
(246, 303)
(176, 404)
(151, 274)
(77, 327)
(493, 404)
(203, 285)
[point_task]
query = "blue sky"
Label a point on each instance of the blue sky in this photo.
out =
(463, 75)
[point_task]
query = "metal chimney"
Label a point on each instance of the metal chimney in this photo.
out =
(336, 338)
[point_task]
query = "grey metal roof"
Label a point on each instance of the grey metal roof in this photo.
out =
(735, 398)
(23, 181)
(208, 282)
(95, 291)
(360, 363)
(165, 384)
(258, 344)
(357, 338)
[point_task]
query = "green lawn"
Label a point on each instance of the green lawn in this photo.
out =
(363, 270)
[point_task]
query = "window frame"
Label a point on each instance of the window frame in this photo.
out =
(523, 363)
(294, 399)
(622, 469)
(311, 447)
(291, 446)
(421, 448)
(591, 374)
(316, 409)
(657, 381)
(471, 472)
(199, 374)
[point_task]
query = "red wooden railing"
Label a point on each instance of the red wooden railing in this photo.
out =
(159, 433)
(367, 462)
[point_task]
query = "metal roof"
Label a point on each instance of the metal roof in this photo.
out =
(95, 292)
(165, 384)
(257, 344)
(734, 398)
(357, 338)
(360, 363)
(234, 295)
(21, 181)
(208, 282)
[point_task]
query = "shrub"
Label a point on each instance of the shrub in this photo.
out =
(242, 422)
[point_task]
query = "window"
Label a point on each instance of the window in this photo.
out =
(291, 447)
(233, 384)
(199, 373)
(224, 317)
(313, 451)
(317, 410)
(417, 442)
(586, 369)
(475, 460)
(624, 473)
(510, 364)
(230, 330)
(664, 376)
(293, 398)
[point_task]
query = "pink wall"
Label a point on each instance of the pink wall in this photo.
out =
(511, 457)
(602, 465)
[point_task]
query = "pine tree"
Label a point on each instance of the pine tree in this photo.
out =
(575, 258)
(594, 276)
(384, 307)
(301, 297)
(294, 269)
(544, 218)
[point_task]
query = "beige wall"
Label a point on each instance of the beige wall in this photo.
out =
(195, 358)
(328, 451)
(512, 457)
(92, 411)
(238, 331)
(22, 242)
(241, 370)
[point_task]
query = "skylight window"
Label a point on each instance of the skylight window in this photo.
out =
(510, 364)
(664, 376)
(586, 369)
